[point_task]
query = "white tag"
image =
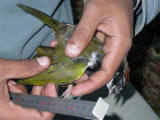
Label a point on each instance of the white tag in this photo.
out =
(100, 109)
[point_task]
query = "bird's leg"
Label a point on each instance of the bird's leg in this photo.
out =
(68, 91)
(57, 88)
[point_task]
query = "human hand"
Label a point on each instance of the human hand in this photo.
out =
(13, 69)
(112, 20)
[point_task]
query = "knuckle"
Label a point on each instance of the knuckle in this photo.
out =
(28, 65)
(49, 117)
(84, 33)
(92, 6)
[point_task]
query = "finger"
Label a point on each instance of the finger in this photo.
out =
(23, 68)
(50, 90)
(4, 90)
(81, 79)
(100, 36)
(43, 92)
(114, 53)
(110, 64)
(84, 31)
(36, 90)
(16, 88)
(53, 43)
(91, 84)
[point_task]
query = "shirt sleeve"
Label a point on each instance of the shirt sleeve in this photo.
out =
(150, 8)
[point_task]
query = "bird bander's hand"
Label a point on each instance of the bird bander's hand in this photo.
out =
(12, 69)
(112, 22)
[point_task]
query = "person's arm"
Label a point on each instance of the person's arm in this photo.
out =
(13, 69)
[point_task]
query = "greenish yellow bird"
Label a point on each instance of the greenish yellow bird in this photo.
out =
(64, 70)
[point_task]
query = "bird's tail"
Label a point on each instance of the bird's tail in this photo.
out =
(41, 16)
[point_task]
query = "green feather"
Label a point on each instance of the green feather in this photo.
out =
(63, 70)
(41, 16)
(59, 74)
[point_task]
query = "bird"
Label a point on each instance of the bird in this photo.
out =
(64, 70)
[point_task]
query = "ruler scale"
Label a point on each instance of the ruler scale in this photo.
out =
(78, 108)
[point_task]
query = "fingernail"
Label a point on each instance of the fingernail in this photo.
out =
(72, 50)
(13, 82)
(9, 83)
(43, 61)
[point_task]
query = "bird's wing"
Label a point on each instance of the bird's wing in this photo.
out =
(61, 74)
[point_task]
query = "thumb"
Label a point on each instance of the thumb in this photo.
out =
(83, 32)
(13, 69)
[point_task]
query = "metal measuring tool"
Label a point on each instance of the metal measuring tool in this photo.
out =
(79, 108)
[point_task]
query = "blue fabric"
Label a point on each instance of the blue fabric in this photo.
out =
(20, 32)
(150, 8)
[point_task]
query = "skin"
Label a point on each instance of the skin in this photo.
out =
(112, 22)
(24, 68)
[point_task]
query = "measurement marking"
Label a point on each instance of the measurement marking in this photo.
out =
(32, 101)
(65, 105)
(77, 107)
(59, 105)
(17, 99)
(54, 104)
(26, 100)
(37, 102)
(42, 103)
(22, 100)
(71, 106)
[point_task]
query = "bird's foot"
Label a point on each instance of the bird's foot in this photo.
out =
(68, 91)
